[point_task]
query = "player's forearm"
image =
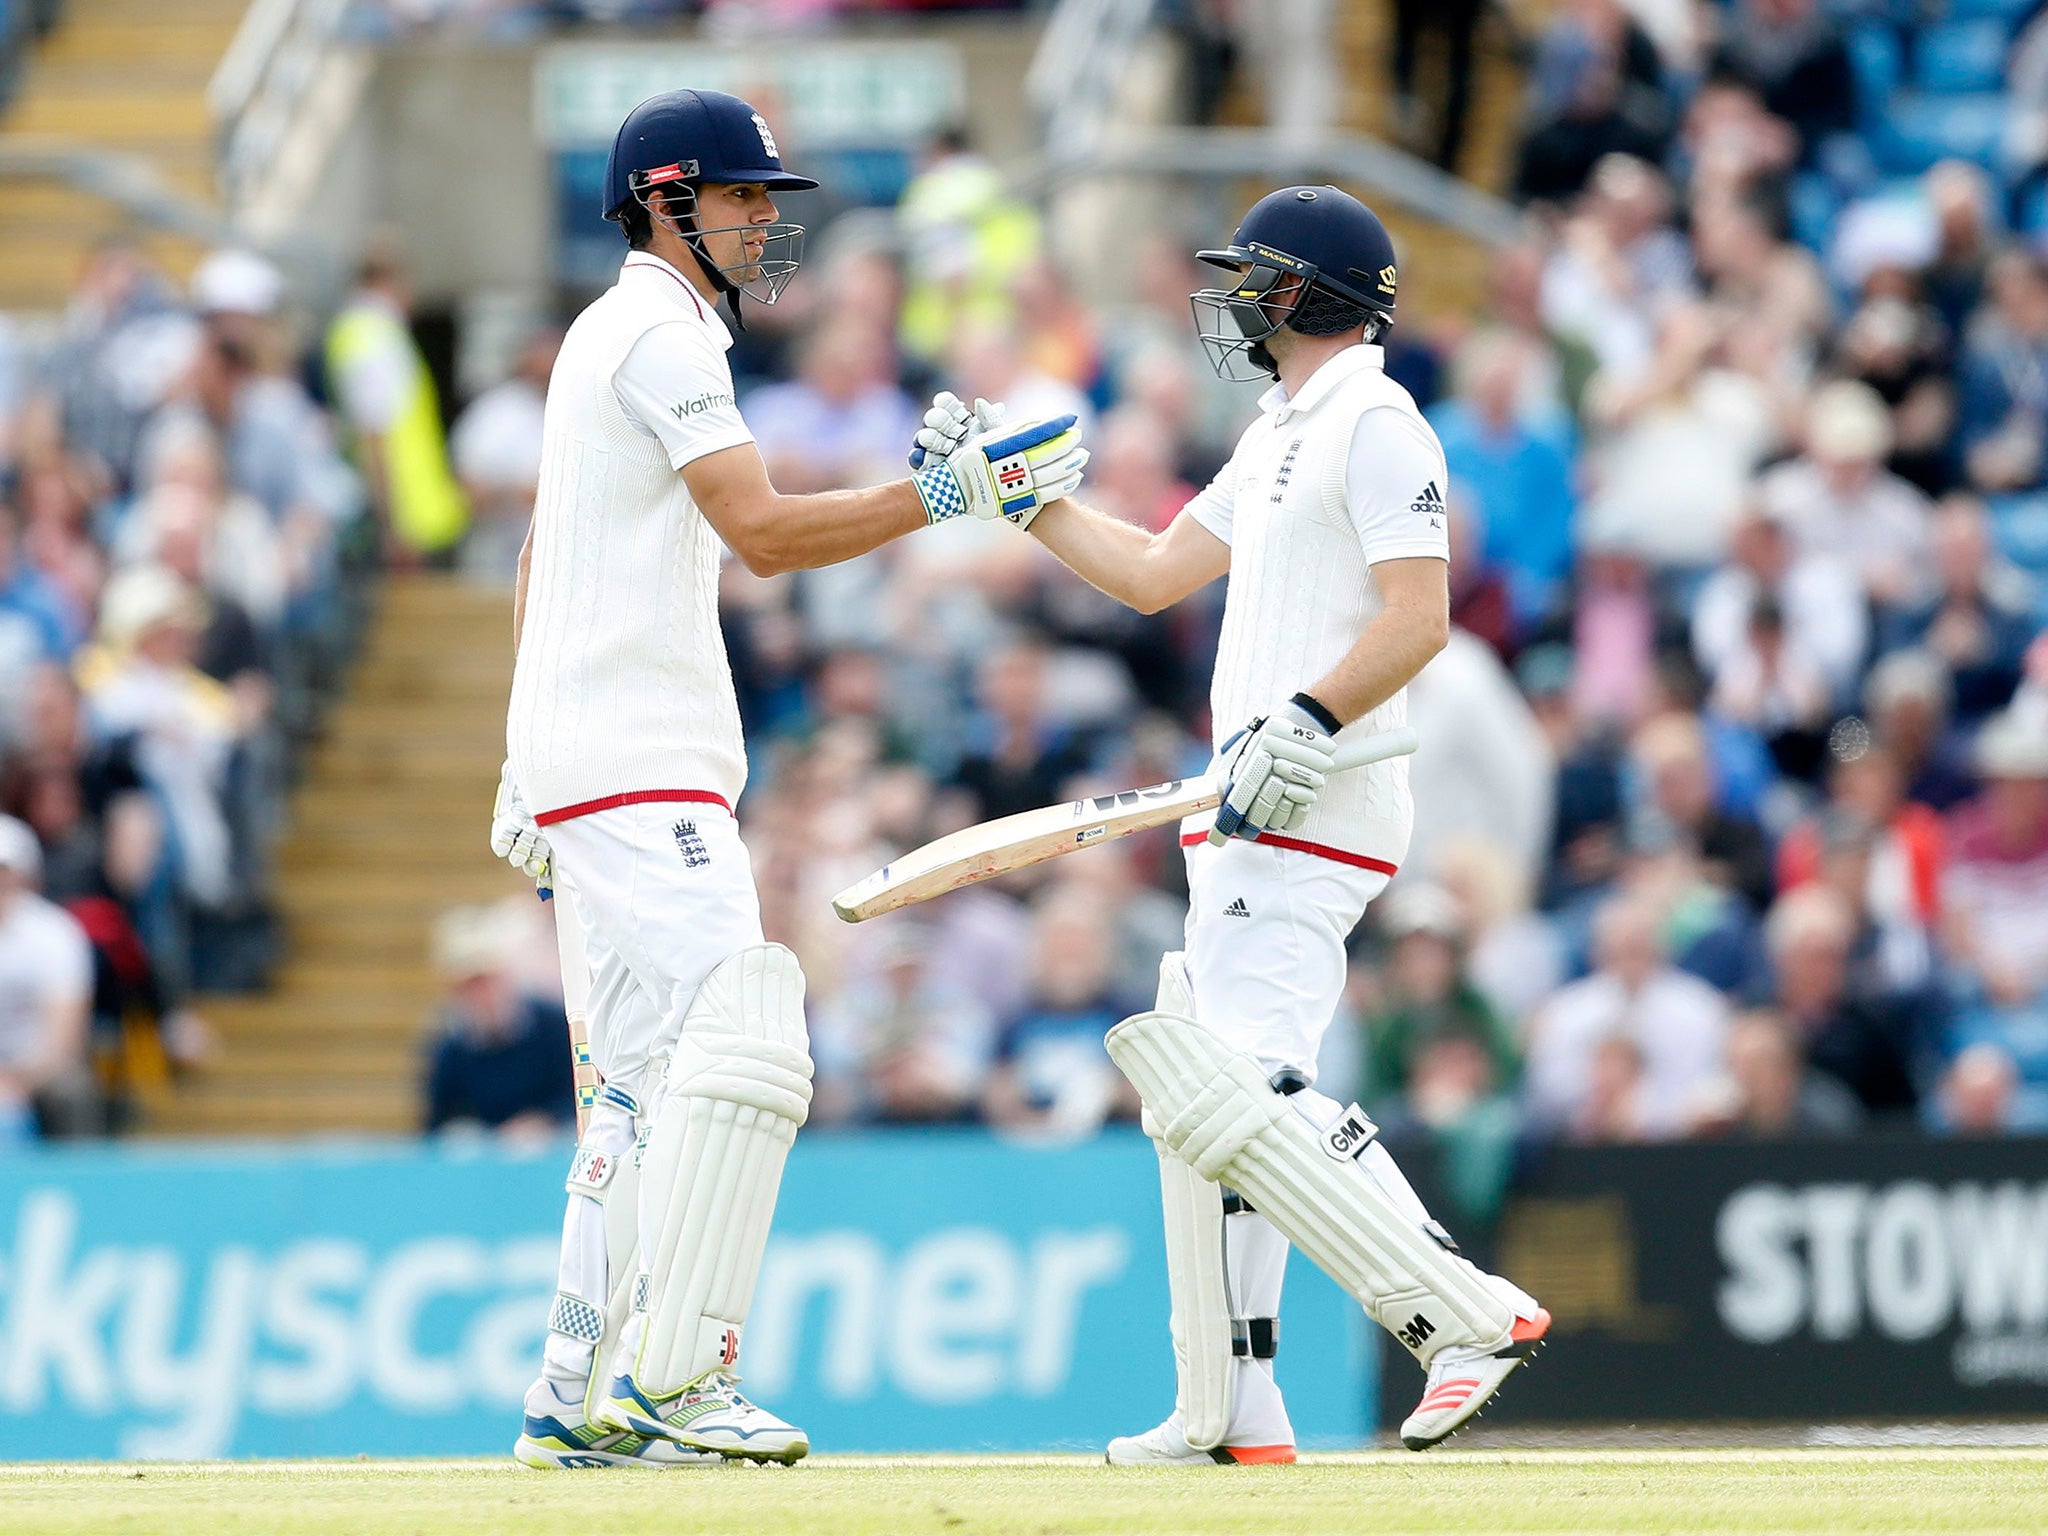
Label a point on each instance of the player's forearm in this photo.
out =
(776, 533)
(1394, 646)
(1111, 555)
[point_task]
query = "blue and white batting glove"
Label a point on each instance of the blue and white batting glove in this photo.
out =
(516, 837)
(1278, 770)
(1009, 473)
(949, 423)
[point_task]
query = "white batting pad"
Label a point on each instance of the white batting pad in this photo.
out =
(737, 1087)
(1195, 1277)
(1215, 1108)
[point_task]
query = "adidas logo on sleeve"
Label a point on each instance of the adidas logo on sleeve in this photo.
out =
(1237, 909)
(1430, 504)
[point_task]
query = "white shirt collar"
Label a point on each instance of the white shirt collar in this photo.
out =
(664, 278)
(1276, 403)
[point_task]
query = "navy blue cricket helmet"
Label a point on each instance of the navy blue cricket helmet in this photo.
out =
(1322, 235)
(680, 140)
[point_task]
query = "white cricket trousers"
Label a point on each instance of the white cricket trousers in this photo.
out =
(1265, 945)
(665, 891)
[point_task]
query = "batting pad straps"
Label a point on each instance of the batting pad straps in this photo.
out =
(1254, 1338)
(737, 1087)
(1215, 1108)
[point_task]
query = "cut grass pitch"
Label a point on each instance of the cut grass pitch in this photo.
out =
(1377, 1494)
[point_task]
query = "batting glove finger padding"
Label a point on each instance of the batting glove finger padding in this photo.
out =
(515, 836)
(948, 424)
(1009, 473)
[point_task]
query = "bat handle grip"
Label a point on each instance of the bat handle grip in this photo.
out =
(1398, 742)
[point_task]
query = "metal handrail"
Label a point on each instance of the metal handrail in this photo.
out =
(262, 80)
(1082, 54)
(127, 181)
(1405, 180)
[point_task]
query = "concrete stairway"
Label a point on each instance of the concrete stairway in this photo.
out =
(125, 75)
(387, 831)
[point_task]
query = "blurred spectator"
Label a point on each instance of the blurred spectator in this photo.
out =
(966, 240)
(842, 421)
(45, 995)
(1839, 500)
(1867, 1044)
(1624, 1053)
(387, 401)
(1769, 1092)
(1595, 94)
(1517, 470)
(1021, 756)
(1677, 798)
(495, 448)
(1826, 619)
(1052, 1074)
(1792, 54)
(906, 1044)
(1908, 698)
(1676, 445)
(2004, 377)
(1884, 854)
(495, 1061)
(1617, 264)
(1488, 769)
(1437, 1047)
(141, 688)
(1979, 1093)
(1978, 618)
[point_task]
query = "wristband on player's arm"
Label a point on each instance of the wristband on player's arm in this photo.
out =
(1317, 711)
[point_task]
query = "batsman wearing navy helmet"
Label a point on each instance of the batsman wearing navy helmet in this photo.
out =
(1329, 521)
(625, 762)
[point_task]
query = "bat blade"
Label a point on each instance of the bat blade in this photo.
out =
(992, 848)
(997, 847)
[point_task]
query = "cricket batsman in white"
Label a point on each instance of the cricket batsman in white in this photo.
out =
(1329, 521)
(625, 763)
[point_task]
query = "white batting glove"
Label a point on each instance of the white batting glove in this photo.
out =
(1009, 473)
(516, 837)
(949, 422)
(1281, 762)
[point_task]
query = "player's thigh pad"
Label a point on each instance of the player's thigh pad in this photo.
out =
(1215, 1108)
(738, 1086)
(1195, 1276)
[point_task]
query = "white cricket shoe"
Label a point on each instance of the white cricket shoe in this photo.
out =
(1464, 1379)
(557, 1437)
(708, 1414)
(1166, 1446)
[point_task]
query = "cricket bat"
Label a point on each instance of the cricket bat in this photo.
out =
(575, 1003)
(993, 848)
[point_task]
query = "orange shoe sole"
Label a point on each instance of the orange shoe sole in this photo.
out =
(1254, 1455)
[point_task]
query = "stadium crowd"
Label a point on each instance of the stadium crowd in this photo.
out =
(1734, 804)
(180, 578)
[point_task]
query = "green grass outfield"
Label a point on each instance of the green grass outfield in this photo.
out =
(1371, 1494)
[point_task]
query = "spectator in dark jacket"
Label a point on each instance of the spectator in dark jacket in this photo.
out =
(499, 1060)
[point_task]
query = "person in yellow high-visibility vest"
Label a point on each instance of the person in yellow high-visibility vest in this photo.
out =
(387, 400)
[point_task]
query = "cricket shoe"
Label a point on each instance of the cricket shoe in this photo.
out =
(1166, 1446)
(708, 1414)
(557, 1437)
(1464, 1379)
